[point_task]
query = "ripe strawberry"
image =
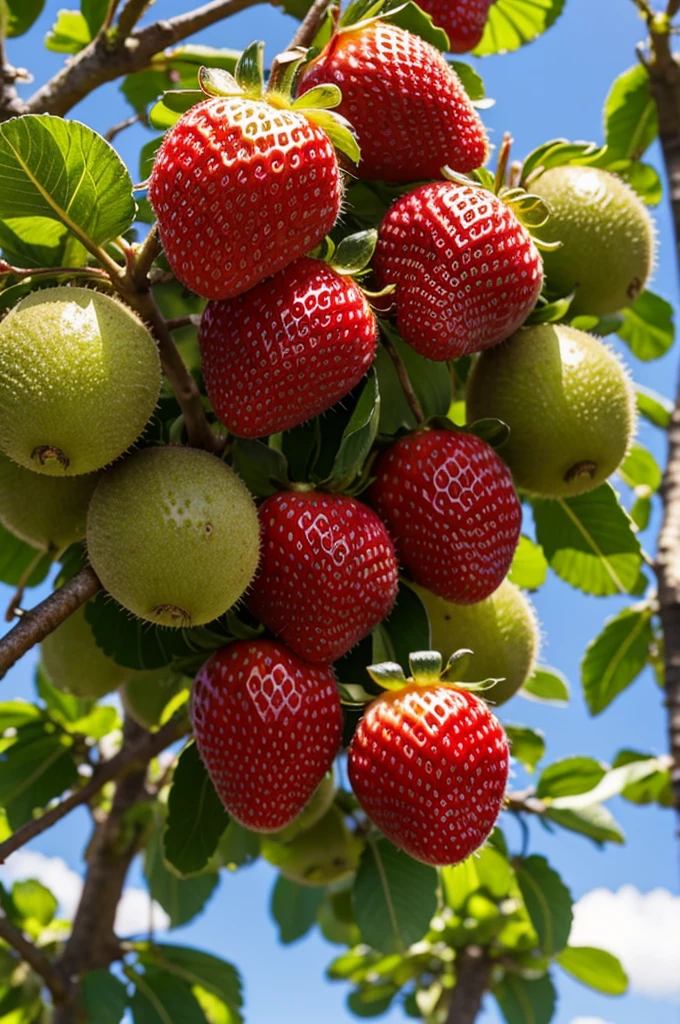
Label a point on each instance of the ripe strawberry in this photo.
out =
(408, 107)
(463, 21)
(267, 726)
(449, 504)
(467, 271)
(429, 765)
(328, 572)
(287, 350)
(240, 190)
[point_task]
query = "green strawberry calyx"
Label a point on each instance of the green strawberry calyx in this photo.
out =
(427, 669)
(316, 105)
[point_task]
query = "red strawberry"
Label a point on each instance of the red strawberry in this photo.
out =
(240, 190)
(328, 572)
(467, 271)
(449, 504)
(267, 726)
(463, 21)
(408, 107)
(287, 350)
(429, 765)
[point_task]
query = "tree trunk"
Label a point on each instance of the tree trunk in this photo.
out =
(473, 977)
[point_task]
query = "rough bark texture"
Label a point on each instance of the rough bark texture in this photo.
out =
(473, 976)
(664, 72)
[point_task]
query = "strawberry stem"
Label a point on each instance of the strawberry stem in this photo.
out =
(503, 159)
(404, 379)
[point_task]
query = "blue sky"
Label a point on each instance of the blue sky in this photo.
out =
(553, 88)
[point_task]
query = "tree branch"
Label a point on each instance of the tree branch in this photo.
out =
(34, 625)
(130, 15)
(9, 98)
(672, 8)
(310, 26)
(36, 959)
(138, 750)
(99, 62)
(473, 975)
(664, 74)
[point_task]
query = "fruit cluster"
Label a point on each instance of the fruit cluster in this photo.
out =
(246, 187)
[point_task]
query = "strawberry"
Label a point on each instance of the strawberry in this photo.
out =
(267, 726)
(467, 272)
(449, 504)
(328, 572)
(240, 190)
(287, 350)
(463, 21)
(408, 107)
(429, 766)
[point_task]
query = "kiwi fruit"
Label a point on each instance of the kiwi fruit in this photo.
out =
(568, 402)
(322, 854)
(80, 376)
(74, 663)
(173, 535)
(145, 695)
(46, 512)
(607, 236)
(501, 631)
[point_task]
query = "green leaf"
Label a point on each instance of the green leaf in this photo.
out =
(408, 626)
(104, 997)
(558, 153)
(167, 111)
(489, 870)
(249, 71)
(259, 465)
(548, 903)
(640, 469)
(548, 686)
(69, 34)
(615, 658)
(645, 180)
(175, 69)
(613, 783)
(526, 745)
(568, 776)
(339, 131)
(630, 118)
(372, 1001)
(33, 900)
(595, 822)
(471, 79)
(360, 432)
(194, 967)
(526, 1002)
(96, 724)
(589, 542)
(294, 908)
(394, 896)
(196, 818)
(64, 171)
(18, 712)
(595, 968)
(163, 998)
(16, 557)
(21, 14)
(35, 768)
(181, 898)
(653, 788)
(137, 645)
(654, 407)
(529, 567)
(94, 12)
(431, 382)
(648, 328)
(354, 252)
(513, 23)
(237, 847)
(63, 707)
(412, 18)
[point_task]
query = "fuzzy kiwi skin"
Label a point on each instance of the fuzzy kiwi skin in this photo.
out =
(46, 512)
(502, 632)
(322, 854)
(80, 376)
(145, 695)
(173, 535)
(607, 236)
(568, 401)
(74, 663)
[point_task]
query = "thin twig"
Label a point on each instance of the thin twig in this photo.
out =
(175, 323)
(36, 959)
(131, 13)
(139, 752)
(404, 379)
(35, 625)
(98, 63)
(310, 26)
(146, 254)
(127, 122)
(6, 270)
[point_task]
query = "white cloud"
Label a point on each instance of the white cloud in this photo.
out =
(642, 929)
(134, 909)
